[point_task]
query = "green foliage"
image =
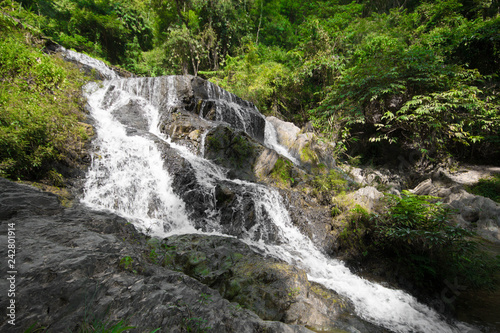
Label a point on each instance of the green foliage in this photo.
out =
(487, 187)
(332, 181)
(398, 75)
(282, 172)
(126, 262)
(417, 74)
(98, 326)
(107, 29)
(255, 80)
(40, 106)
(416, 232)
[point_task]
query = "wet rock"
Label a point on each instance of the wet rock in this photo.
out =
(92, 67)
(233, 150)
(224, 106)
(312, 219)
(265, 163)
(183, 100)
(186, 129)
(77, 267)
(271, 288)
(304, 145)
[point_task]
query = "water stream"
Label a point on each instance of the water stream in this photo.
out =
(128, 177)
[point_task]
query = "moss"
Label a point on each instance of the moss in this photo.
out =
(329, 184)
(282, 172)
(308, 155)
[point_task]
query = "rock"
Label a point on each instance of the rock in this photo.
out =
(269, 287)
(186, 129)
(385, 179)
(76, 267)
(235, 151)
(473, 211)
(183, 100)
(229, 108)
(304, 146)
(312, 219)
(366, 197)
(92, 67)
(483, 214)
(265, 163)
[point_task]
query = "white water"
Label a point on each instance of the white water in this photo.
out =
(84, 59)
(271, 141)
(127, 176)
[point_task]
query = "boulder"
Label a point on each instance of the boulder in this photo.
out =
(366, 197)
(472, 211)
(269, 287)
(235, 151)
(384, 179)
(312, 219)
(304, 146)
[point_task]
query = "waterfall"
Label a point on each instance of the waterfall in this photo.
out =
(271, 141)
(127, 176)
(88, 62)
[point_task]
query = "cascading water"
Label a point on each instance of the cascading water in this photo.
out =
(271, 141)
(127, 176)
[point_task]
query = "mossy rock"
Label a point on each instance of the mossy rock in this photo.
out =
(234, 150)
(273, 289)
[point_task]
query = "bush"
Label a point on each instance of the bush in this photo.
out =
(40, 106)
(416, 233)
(487, 187)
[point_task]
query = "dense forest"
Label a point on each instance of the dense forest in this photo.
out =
(373, 76)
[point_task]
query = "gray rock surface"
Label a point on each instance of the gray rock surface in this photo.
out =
(304, 146)
(366, 197)
(472, 211)
(76, 266)
(269, 287)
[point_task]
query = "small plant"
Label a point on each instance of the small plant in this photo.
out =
(331, 182)
(190, 323)
(126, 263)
(282, 172)
(308, 155)
(294, 292)
(205, 299)
(98, 326)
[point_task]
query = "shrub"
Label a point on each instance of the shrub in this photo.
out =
(282, 172)
(487, 187)
(40, 108)
(416, 233)
(332, 181)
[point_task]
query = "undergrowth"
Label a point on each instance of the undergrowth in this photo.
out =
(40, 107)
(417, 234)
(487, 187)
